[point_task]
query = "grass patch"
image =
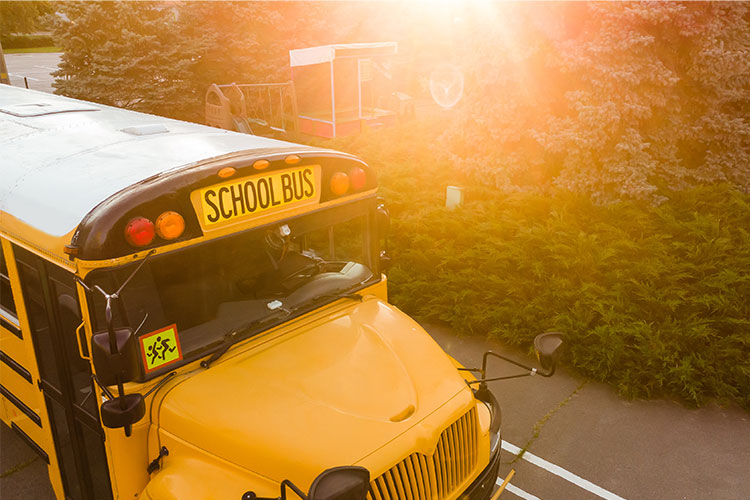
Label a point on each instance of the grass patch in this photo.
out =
(32, 50)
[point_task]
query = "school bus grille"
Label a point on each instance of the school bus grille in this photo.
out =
(436, 477)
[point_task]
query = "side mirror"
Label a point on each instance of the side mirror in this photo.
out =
(123, 411)
(123, 364)
(338, 483)
(383, 219)
(385, 260)
(383, 222)
(546, 345)
(341, 483)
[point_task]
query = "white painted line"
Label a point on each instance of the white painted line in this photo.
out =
(23, 76)
(559, 471)
(517, 491)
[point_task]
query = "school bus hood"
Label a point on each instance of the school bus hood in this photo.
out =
(322, 396)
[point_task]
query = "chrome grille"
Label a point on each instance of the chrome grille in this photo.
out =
(436, 477)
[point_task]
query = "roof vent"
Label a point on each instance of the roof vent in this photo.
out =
(150, 129)
(44, 108)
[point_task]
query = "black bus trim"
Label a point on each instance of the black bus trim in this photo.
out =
(25, 437)
(21, 406)
(16, 367)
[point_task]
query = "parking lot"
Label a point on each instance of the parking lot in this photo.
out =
(35, 68)
(583, 440)
(586, 442)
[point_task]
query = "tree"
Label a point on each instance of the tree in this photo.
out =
(161, 57)
(124, 54)
(22, 17)
(624, 100)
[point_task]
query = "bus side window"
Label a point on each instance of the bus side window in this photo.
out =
(7, 304)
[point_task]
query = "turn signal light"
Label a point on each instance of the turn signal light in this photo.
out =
(358, 178)
(226, 172)
(170, 225)
(139, 231)
(339, 183)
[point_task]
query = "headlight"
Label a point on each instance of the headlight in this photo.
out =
(494, 440)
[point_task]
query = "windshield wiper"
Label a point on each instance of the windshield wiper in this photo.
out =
(240, 333)
(337, 295)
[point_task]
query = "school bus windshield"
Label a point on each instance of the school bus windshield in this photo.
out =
(189, 300)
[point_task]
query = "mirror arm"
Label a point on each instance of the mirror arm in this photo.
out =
(509, 360)
(161, 383)
(104, 388)
(478, 370)
(483, 371)
(288, 484)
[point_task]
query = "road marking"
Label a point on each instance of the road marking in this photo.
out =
(559, 471)
(517, 491)
(22, 76)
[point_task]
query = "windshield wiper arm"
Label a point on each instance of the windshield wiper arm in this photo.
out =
(239, 333)
(337, 295)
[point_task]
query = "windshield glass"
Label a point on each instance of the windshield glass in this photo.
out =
(190, 300)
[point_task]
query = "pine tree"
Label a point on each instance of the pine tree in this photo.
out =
(126, 54)
(22, 17)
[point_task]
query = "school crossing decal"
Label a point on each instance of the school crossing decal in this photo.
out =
(251, 195)
(160, 348)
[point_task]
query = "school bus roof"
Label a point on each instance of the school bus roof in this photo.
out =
(62, 157)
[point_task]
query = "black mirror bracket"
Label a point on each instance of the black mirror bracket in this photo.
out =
(117, 355)
(546, 345)
(338, 483)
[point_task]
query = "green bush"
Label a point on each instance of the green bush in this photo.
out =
(26, 41)
(654, 300)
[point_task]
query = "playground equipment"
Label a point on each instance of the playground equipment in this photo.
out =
(336, 90)
(345, 88)
(268, 109)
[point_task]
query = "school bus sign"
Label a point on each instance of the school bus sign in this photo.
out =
(243, 198)
(160, 348)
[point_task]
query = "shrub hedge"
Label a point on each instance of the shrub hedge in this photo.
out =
(26, 41)
(654, 300)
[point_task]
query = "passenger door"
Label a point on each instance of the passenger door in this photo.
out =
(50, 296)
(22, 405)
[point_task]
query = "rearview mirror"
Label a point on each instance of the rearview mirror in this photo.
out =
(123, 363)
(341, 483)
(383, 219)
(546, 345)
(123, 411)
(338, 483)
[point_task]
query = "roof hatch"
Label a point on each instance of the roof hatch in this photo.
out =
(44, 108)
(147, 129)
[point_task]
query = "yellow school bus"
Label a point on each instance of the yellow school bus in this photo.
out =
(192, 313)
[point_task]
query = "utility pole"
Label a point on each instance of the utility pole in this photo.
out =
(4, 78)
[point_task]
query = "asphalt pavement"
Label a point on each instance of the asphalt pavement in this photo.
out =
(589, 443)
(582, 440)
(35, 67)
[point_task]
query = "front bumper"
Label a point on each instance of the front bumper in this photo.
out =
(482, 487)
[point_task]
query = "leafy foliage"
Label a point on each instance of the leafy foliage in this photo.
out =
(652, 299)
(23, 16)
(26, 41)
(623, 100)
(124, 54)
